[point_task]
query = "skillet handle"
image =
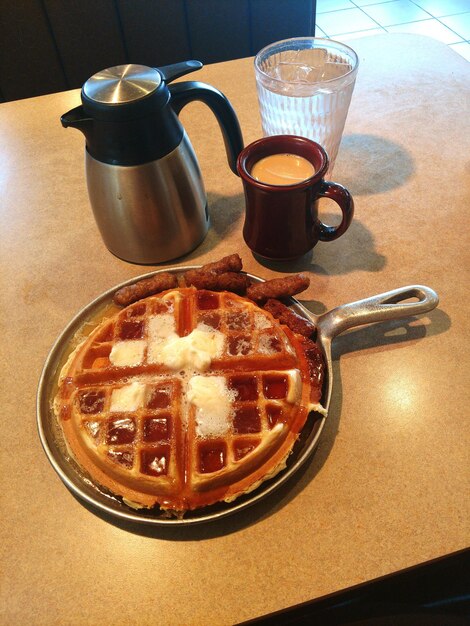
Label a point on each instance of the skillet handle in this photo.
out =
(385, 306)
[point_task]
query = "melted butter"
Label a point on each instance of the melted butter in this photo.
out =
(127, 352)
(128, 398)
(213, 401)
(295, 386)
(316, 406)
(161, 326)
(196, 350)
(261, 321)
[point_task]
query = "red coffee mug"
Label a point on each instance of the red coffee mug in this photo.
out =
(281, 221)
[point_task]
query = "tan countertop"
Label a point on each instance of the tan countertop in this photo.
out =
(388, 486)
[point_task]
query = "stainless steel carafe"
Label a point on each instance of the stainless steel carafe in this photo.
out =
(143, 178)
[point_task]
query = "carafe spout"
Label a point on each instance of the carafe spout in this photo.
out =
(77, 118)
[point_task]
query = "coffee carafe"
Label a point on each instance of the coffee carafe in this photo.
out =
(143, 178)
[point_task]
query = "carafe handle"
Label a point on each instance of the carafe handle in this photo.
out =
(183, 93)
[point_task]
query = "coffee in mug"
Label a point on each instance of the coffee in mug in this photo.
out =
(282, 169)
(281, 217)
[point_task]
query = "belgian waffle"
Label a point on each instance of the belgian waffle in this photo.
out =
(187, 398)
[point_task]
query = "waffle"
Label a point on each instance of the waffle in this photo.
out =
(187, 398)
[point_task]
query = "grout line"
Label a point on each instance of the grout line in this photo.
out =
(435, 16)
(369, 16)
(384, 28)
(398, 24)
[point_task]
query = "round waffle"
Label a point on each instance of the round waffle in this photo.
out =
(187, 398)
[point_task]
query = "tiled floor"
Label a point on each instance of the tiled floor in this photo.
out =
(447, 20)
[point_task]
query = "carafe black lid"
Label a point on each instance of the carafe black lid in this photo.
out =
(129, 115)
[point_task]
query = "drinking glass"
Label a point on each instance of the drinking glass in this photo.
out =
(304, 88)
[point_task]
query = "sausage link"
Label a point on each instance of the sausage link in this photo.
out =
(230, 263)
(290, 318)
(278, 287)
(145, 287)
(228, 281)
(316, 367)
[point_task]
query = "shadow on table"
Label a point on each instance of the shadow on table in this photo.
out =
(377, 336)
(391, 333)
(373, 164)
(353, 251)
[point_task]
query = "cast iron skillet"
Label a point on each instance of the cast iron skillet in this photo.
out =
(387, 306)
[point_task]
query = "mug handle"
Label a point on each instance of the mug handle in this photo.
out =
(343, 198)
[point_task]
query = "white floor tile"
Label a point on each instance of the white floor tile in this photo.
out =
(460, 24)
(431, 28)
(364, 3)
(319, 32)
(439, 8)
(347, 21)
(462, 48)
(397, 12)
(324, 6)
(362, 33)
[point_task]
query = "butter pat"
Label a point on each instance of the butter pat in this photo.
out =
(128, 398)
(195, 351)
(127, 353)
(262, 321)
(213, 401)
(295, 386)
(161, 326)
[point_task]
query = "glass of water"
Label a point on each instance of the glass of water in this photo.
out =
(304, 88)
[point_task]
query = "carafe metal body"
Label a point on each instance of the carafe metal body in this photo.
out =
(152, 212)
